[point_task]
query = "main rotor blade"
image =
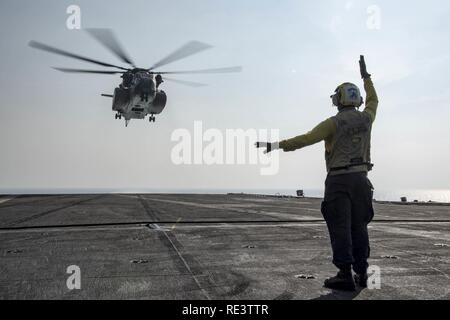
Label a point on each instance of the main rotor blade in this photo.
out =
(87, 71)
(215, 70)
(187, 83)
(107, 38)
(188, 49)
(44, 47)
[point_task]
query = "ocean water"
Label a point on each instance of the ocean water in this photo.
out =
(425, 195)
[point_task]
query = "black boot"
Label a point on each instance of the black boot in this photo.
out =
(342, 281)
(361, 280)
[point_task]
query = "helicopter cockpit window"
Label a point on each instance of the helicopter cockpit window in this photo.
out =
(137, 78)
(127, 78)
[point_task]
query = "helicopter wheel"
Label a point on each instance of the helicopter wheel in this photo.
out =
(152, 118)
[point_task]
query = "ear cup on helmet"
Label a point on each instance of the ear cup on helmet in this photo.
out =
(335, 98)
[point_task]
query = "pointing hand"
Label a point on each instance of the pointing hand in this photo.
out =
(270, 146)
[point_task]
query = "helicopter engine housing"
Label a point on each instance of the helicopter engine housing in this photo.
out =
(121, 98)
(159, 102)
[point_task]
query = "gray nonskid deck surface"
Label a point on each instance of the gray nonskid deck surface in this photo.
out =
(181, 246)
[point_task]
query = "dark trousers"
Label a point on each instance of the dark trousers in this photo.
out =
(347, 209)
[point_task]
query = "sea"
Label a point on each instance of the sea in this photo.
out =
(421, 195)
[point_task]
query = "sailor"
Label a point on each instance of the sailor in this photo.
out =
(347, 204)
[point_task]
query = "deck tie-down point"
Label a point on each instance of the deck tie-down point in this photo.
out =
(14, 251)
(389, 257)
(139, 261)
(305, 276)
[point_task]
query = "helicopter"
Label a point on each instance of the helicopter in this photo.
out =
(138, 95)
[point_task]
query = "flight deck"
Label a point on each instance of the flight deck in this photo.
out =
(208, 246)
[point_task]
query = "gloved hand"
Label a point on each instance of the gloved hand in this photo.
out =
(270, 146)
(362, 68)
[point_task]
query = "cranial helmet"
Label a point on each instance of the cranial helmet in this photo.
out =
(347, 95)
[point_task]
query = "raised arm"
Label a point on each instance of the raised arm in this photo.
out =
(371, 94)
(327, 128)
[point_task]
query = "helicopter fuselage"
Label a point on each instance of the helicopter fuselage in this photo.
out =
(138, 96)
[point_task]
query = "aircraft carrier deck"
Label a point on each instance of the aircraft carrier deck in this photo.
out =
(192, 246)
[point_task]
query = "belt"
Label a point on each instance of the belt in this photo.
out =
(348, 166)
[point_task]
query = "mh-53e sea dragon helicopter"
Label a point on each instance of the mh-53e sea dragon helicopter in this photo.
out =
(139, 93)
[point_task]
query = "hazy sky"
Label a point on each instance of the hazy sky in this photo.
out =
(58, 132)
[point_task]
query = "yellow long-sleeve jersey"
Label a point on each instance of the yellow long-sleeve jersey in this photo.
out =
(326, 129)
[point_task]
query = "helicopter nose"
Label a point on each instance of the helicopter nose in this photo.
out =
(146, 85)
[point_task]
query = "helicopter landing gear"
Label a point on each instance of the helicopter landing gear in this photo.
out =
(118, 116)
(151, 118)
